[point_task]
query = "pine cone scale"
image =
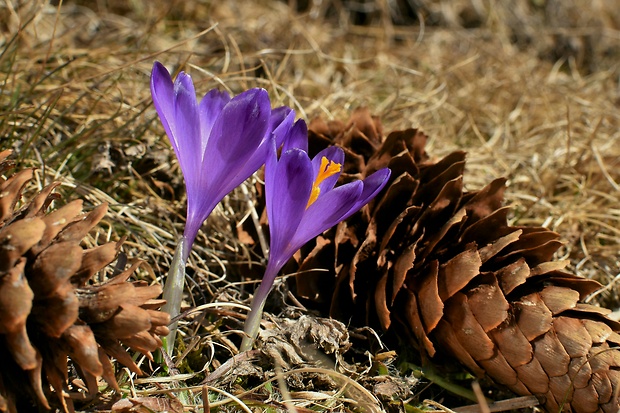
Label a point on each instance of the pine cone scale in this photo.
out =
(82, 347)
(54, 267)
(559, 299)
(10, 191)
(487, 303)
(55, 222)
(125, 322)
(467, 329)
(77, 230)
(533, 376)
(56, 313)
(577, 344)
(457, 272)
(16, 239)
(552, 354)
(431, 306)
(93, 260)
(15, 306)
(412, 317)
(534, 317)
(20, 347)
(501, 371)
(452, 342)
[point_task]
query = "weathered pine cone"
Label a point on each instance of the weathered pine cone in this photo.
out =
(442, 268)
(50, 309)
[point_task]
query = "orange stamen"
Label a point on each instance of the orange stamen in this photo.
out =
(327, 169)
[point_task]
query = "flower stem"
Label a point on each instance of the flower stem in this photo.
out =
(252, 323)
(173, 290)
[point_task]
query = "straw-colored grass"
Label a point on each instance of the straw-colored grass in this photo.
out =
(531, 93)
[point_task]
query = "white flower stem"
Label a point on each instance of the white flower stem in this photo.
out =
(173, 290)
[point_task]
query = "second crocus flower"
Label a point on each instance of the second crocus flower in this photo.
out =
(302, 202)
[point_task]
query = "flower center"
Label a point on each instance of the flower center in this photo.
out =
(327, 169)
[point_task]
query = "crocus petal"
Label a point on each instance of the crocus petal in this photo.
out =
(238, 132)
(167, 97)
(288, 183)
(373, 184)
(209, 109)
(334, 154)
(186, 129)
(198, 209)
(297, 137)
(178, 110)
(280, 123)
(328, 210)
(162, 91)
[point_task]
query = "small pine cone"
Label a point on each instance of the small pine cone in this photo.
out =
(442, 268)
(51, 310)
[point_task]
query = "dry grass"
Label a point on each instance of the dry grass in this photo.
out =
(531, 92)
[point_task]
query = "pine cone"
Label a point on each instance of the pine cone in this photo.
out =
(50, 309)
(442, 268)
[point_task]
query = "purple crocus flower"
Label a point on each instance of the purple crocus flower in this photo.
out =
(302, 202)
(219, 142)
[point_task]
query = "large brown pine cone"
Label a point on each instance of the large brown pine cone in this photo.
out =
(50, 309)
(442, 268)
